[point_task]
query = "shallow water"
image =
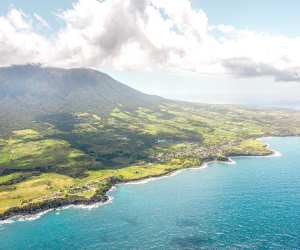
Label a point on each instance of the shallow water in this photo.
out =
(254, 204)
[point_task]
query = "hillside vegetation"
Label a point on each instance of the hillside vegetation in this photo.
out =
(58, 158)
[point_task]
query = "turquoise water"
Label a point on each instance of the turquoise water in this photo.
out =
(254, 204)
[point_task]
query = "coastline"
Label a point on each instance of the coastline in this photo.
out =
(35, 211)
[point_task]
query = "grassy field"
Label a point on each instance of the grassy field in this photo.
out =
(50, 186)
(80, 154)
(27, 150)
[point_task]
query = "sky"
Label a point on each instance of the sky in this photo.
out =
(202, 50)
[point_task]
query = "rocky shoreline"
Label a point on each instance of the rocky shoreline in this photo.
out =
(102, 196)
(36, 208)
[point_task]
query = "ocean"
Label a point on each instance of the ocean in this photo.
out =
(252, 204)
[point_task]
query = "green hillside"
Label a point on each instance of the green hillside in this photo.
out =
(75, 153)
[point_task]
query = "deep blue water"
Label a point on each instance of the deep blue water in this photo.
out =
(254, 204)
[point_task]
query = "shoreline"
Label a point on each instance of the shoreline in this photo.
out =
(36, 211)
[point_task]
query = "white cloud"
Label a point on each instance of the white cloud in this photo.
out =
(41, 20)
(245, 67)
(19, 43)
(134, 34)
(17, 19)
(148, 34)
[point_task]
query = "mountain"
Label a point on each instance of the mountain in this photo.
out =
(30, 92)
(68, 135)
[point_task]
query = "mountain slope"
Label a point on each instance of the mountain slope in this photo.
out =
(91, 132)
(28, 92)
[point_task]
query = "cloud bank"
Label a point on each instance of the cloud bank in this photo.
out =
(245, 67)
(147, 35)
